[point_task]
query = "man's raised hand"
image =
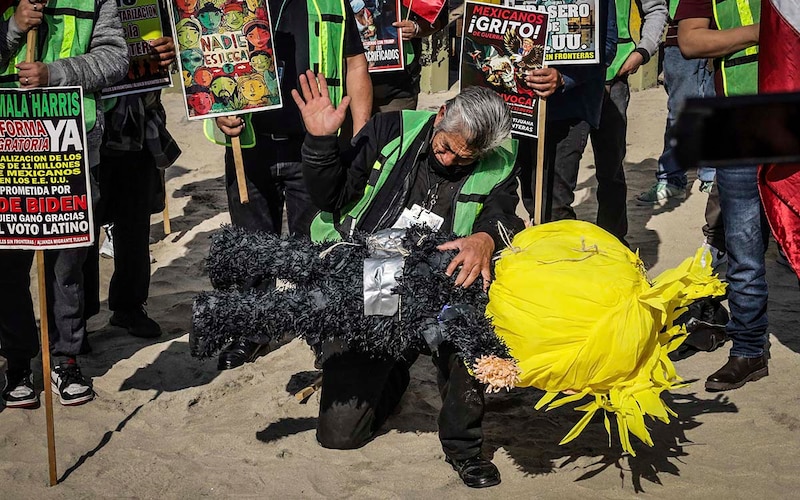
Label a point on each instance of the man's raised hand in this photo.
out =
(316, 108)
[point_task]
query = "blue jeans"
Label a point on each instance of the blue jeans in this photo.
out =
(746, 237)
(683, 78)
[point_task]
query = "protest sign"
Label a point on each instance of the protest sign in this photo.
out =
(500, 44)
(45, 200)
(573, 30)
(142, 21)
(383, 45)
(226, 57)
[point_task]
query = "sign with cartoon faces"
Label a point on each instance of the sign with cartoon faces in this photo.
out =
(226, 57)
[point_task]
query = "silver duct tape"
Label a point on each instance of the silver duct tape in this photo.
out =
(380, 277)
(386, 243)
(381, 271)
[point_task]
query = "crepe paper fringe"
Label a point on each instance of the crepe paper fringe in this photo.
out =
(615, 352)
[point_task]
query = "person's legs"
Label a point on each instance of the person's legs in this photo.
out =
(125, 183)
(126, 186)
(526, 170)
(67, 323)
(608, 143)
(461, 418)
(714, 228)
(746, 237)
(19, 339)
(359, 392)
(683, 78)
(264, 212)
(64, 283)
(565, 143)
(462, 410)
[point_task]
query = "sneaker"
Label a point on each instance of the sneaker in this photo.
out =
(706, 186)
(660, 194)
(70, 384)
(136, 322)
(19, 391)
(107, 248)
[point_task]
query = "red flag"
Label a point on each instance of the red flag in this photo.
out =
(779, 71)
(426, 9)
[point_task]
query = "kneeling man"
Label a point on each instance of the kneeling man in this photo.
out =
(452, 170)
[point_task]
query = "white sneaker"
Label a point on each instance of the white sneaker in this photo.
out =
(107, 248)
(19, 391)
(660, 194)
(70, 384)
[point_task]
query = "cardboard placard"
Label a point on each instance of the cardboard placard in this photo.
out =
(500, 44)
(226, 56)
(45, 197)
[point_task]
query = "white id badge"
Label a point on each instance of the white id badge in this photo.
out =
(415, 216)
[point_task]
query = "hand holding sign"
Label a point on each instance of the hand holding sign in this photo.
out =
(544, 81)
(163, 50)
(231, 126)
(33, 74)
(28, 14)
(316, 108)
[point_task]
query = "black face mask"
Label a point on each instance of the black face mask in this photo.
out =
(453, 172)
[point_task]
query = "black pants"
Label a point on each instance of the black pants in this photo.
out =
(274, 176)
(564, 144)
(360, 392)
(608, 143)
(130, 188)
(565, 141)
(19, 336)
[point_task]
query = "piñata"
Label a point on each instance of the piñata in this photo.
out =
(581, 317)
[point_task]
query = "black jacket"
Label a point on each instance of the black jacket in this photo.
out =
(335, 181)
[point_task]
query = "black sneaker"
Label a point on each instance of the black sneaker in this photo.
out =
(136, 322)
(70, 384)
(19, 391)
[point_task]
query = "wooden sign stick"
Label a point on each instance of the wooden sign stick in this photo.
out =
(538, 192)
(30, 56)
(306, 392)
(238, 163)
(167, 226)
(48, 393)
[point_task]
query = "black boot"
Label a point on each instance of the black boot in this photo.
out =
(136, 322)
(476, 472)
(737, 372)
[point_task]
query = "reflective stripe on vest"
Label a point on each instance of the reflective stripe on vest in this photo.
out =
(739, 70)
(673, 8)
(625, 43)
(325, 55)
(492, 169)
(69, 26)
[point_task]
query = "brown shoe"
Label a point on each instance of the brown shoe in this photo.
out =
(737, 372)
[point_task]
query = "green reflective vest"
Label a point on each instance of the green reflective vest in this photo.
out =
(673, 8)
(69, 26)
(625, 43)
(739, 70)
(492, 169)
(325, 55)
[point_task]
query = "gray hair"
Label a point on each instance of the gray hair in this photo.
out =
(480, 116)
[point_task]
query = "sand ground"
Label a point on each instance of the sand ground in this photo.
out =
(165, 425)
